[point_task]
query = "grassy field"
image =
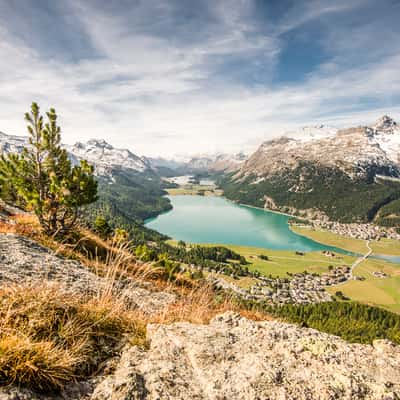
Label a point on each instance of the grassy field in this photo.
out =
(281, 262)
(381, 292)
(207, 190)
(386, 246)
(383, 246)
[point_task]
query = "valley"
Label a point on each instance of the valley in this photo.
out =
(221, 200)
(191, 185)
(278, 257)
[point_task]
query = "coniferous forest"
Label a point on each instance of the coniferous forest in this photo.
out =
(351, 321)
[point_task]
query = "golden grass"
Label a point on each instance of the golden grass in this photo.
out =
(200, 305)
(45, 364)
(49, 337)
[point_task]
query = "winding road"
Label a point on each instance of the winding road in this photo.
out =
(360, 259)
(357, 262)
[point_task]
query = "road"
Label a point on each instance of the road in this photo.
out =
(360, 259)
(357, 262)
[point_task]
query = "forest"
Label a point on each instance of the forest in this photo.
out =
(329, 190)
(127, 199)
(217, 258)
(351, 321)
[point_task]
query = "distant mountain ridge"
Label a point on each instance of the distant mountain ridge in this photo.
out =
(355, 151)
(324, 172)
(105, 157)
(11, 143)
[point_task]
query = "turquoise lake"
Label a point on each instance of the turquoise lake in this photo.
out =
(209, 219)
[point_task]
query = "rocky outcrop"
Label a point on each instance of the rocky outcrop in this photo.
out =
(24, 261)
(235, 358)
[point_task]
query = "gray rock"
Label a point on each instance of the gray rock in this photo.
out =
(24, 261)
(235, 358)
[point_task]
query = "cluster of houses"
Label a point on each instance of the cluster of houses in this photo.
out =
(379, 274)
(299, 288)
(358, 231)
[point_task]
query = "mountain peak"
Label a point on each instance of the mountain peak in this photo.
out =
(385, 122)
(99, 143)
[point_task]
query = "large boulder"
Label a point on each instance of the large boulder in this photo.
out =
(235, 358)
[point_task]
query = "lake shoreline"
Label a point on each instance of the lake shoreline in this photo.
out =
(213, 219)
(266, 209)
(342, 248)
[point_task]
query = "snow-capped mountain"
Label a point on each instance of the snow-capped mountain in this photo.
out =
(227, 162)
(386, 134)
(12, 144)
(220, 162)
(157, 162)
(102, 155)
(356, 151)
(347, 175)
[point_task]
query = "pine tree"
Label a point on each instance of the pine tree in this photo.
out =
(43, 177)
(102, 227)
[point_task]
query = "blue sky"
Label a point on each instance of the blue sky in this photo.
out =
(184, 76)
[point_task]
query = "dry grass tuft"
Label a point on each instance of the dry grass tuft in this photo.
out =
(7, 228)
(49, 337)
(23, 224)
(43, 364)
(200, 305)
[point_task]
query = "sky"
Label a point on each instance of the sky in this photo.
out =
(167, 77)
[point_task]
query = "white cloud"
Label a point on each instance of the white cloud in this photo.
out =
(166, 95)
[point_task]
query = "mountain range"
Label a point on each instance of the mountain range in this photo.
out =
(350, 174)
(129, 187)
(105, 158)
(96, 151)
